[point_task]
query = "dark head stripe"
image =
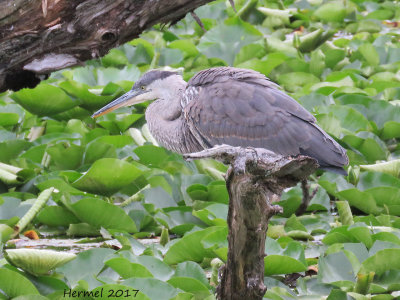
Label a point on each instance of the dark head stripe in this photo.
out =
(152, 76)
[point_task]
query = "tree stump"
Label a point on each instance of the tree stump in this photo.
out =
(255, 179)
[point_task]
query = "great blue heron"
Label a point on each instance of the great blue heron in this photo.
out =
(232, 106)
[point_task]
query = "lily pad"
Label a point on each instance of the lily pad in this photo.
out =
(190, 247)
(86, 266)
(107, 176)
(225, 40)
(14, 284)
(44, 100)
(382, 261)
(282, 264)
(333, 11)
(127, 269)
(38, 262)
(56, 216)
(7, 119)
(99, 213)
(153, 288)
(189, 284)
(390, 167)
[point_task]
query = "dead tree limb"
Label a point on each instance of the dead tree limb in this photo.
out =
(255, 179)
(38, 37)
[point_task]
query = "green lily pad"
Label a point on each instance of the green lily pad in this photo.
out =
(294, 80)
(170, 56)
(339, 235)
(38, 262)
(214, 214)
(362, 234)
(153, 288)
(5, 232)
(14, 284)
(82, 229)
(97, 150)
(282, 264)
(44, 100)
(191, 269)
(127, 269)
(335, 268)
(56, 216)
(294, 224)
(189, 284)
(216, 239)
(99, 213)
(390, 167)
(66, 156)
(12, 149)
(189, 247)
(382, 261)
(151, 155)
(217, 192)
(197, 192)
(157, 267)
(370, 54)
(333, 11)
(7, 119)
(107, 176)
(86, 266)
(224, 41)
(90, 100)
(362, 200)
(186, 46)
(31, 297)
(391, 130)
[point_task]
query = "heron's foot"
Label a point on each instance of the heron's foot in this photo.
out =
(262, 162)
(227, 154)
(223, 153)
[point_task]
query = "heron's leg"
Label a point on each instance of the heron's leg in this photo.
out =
(305, 187)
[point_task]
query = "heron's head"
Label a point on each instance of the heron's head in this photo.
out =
(154, 84)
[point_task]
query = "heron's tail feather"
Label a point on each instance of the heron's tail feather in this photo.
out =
(329, 154)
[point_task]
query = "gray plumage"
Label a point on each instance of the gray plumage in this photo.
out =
(152, 76)
(237, 107)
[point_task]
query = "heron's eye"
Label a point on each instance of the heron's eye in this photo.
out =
(142, 87)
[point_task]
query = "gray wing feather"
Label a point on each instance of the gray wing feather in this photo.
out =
(243, 108)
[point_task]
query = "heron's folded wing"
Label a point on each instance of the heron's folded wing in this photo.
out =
(230, 78)
(243, 112)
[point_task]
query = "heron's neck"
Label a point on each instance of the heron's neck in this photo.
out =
(165, 121)
(168, 107)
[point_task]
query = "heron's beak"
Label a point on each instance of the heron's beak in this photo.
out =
(130, 98)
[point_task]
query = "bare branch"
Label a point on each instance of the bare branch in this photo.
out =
(198, 21)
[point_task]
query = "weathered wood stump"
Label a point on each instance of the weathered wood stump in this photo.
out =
(255, 179)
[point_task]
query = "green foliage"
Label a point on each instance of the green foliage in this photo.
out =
(109, 179)
(37, 262)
